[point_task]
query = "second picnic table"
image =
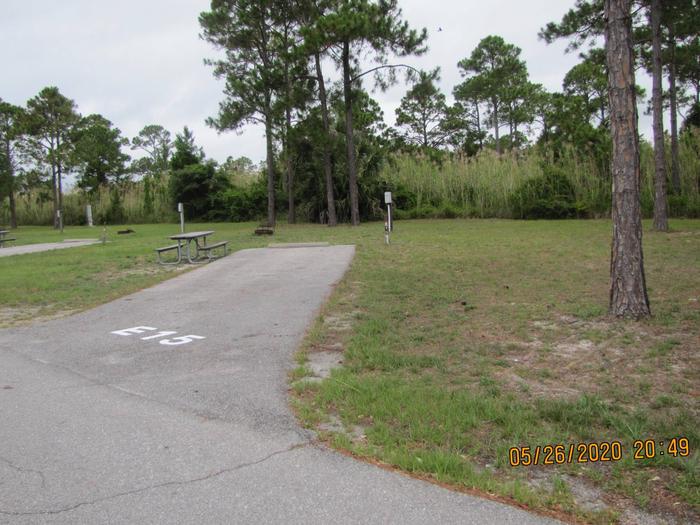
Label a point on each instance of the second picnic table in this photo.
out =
(4, 239)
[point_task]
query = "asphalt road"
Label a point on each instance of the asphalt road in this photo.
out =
(6, 251)
(99, 424)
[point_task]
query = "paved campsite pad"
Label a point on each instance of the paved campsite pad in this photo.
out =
(185, 420)
(45, 246)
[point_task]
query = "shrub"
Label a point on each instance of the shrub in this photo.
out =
(548, 196)
(114, 213)
(198, 187)
(246, 203)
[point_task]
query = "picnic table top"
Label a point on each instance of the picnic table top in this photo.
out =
(3, 232)
(191, 235)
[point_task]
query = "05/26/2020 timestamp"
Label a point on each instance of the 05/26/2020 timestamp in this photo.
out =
(595, 452)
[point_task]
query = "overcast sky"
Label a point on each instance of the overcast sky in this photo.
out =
(141, 62)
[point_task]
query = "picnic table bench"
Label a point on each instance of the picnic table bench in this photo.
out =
(184, 247)
(4, 239)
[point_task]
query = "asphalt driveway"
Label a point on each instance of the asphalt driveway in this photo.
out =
(170, 406)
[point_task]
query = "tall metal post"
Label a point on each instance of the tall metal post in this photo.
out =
(181, 211)
(387, 200)
(388, 225)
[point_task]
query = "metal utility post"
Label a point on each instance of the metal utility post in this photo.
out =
(88, 213)
(389, 224)
(181, 211)
(390, 220)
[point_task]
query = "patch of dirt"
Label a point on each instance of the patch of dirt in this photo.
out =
(545, 325)
(321, 363)
(560, 360)
(538, 388)
(141, 271)
(594, 499)
(683, 234)
(340, 322)
(335, 425)
(586, 495)
(26, 315)
(574, 349)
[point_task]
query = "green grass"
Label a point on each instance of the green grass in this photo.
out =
(471, 337)
(468, 337)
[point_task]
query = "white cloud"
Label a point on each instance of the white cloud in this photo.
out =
(141, 62)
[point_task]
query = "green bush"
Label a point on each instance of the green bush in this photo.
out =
(687, 206)
(246, 203)
(198, 187)
(548, 196)
(446, 211)
(114, 213)
(402, 197)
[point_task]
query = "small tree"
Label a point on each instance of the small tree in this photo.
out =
(51, 121)
(588, 80)
(156, 142)
(11, 134)
(423, 111)
(495, 75)
(464, 118)
(186, 151)
(198, 187)
(361, 27)
(97, 155)
(194, 182)
(315, 46)
(246, 30)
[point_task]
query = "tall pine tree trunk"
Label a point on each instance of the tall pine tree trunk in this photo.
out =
(510, 130)
(660, 199)
(327, 167)
(11, 185)
(349, 139)
(478, 126)
(13, 209)
(59, 177)
(496, 126)
(54, 187)
(628, 292)
(270, 163)
(59, 182)
(675, 155)
(291, 211)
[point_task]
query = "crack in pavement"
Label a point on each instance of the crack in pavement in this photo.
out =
(25, 470)
(160, 485)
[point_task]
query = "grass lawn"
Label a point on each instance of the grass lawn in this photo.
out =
(460, 340)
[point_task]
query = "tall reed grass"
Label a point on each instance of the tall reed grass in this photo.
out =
(483, 186)
(36, 207)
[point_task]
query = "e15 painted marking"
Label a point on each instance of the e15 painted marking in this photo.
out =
(175, 341)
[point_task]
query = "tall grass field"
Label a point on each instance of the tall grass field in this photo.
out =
(485, 186)
(531, 184)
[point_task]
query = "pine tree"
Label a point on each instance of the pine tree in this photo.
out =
(51, 120)
(628, 292)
